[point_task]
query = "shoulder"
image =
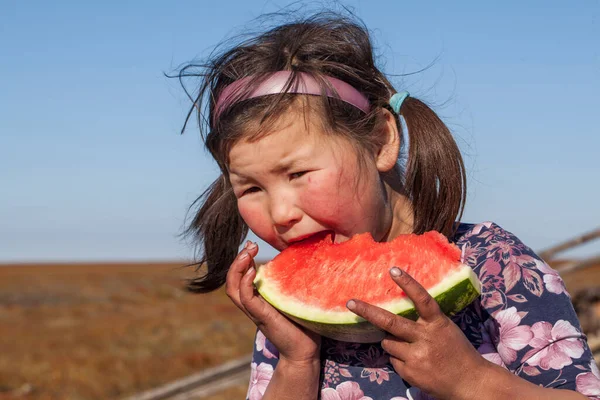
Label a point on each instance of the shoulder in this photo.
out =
(505, 265)
(488, 244)
(485, 233)
(529, 323)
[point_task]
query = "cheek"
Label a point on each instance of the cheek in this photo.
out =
(255, 217)
(340, 200)
(330, 197)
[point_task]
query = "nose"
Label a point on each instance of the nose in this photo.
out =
(284, 210)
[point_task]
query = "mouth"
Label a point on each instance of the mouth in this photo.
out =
(313, 237)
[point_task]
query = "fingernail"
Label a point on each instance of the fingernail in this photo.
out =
(395, 272)
(250, 271)
(351, 304)
(252, 246)
(247, 244)
(244, 255)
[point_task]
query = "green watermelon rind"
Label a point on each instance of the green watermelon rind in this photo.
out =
(456, 291)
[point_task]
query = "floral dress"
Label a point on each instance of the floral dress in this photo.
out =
(523, 321)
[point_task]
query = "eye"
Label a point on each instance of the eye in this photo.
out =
(297, 174)
(253, 189)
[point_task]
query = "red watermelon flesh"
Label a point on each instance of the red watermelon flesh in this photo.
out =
(312, 280)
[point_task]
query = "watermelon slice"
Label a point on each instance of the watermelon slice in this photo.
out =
(312, 280)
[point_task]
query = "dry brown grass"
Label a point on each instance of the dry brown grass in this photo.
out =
(106, 331)
(82, 332)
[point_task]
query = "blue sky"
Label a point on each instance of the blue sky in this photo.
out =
(92, 166)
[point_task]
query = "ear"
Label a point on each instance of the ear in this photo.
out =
(389, 151)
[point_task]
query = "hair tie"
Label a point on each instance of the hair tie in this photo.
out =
(397, 99)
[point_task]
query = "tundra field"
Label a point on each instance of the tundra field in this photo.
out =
(106, 331)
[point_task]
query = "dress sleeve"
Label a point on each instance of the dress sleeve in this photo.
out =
(528, 316)
(264, 360)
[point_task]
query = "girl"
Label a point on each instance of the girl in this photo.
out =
(307, 133)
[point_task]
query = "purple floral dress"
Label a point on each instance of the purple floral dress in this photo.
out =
(523, 321)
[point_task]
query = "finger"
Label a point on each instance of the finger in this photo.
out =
(252, 248)
(249, 301)
(235, 274)
(399, 367)
(264, 315)
(425, 305)
(247, 292)
(398, 326)
(240, 264)
(396, 348)
(252, 302)
(237, 270)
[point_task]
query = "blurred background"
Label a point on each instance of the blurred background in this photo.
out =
(96, 179)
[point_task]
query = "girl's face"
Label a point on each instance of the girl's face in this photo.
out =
(298, 181)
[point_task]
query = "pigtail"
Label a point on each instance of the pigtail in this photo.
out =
(435, 178)
(218, 227)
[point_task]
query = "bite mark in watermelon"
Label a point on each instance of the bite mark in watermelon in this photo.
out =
(312, 280)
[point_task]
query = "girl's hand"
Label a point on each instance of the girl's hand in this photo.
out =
(432, 353)
(295, 344)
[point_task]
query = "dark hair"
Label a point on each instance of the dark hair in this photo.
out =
(325, 44)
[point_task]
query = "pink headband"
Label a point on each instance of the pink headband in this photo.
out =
(278, 82)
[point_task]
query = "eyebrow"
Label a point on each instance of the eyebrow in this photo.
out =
(238, 178)
(284, 165)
